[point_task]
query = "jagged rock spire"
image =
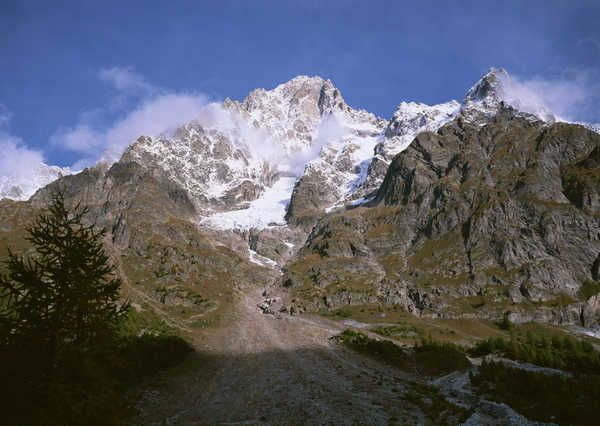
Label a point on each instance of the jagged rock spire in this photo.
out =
(496, 89)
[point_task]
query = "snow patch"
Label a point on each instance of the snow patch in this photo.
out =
(22, 186)
(412, 118)
(361, 201)
(335, 206)
(266, 211)
(261, 260)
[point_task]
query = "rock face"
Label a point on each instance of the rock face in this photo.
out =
(163, 257)
(293, 110)
(352, 163)
(581, 181)
(216, 172)
(458, 209)
(496, 90)
(475, 219)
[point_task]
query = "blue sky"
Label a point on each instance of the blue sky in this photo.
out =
(74, 71)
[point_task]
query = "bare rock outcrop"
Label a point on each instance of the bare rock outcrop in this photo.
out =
(481, 217)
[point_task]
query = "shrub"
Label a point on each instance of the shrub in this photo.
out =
(538, 396)
(566, 353)
(429, 358)
(438, 359)
(589, 289)
(145, 355)
(380, 349)
(506, 323)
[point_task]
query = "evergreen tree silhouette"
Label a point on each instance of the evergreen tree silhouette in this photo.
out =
(59, 319)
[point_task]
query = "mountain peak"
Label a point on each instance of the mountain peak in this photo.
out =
(489, 87)
(301, 91)
(498, 88)
(411, 118)
(302, 78)
(293, 110)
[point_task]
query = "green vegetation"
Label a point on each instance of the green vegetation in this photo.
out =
(146, 321)
(429, 358)
(505, 324)
(435, 359)
(67, 292)
(589, 289)
(69, 347)
(560, 300)
(383, 350)
(146, 354)
(357, 312)
(561, 397)
(400, 330)
(575, 356)
(538, 396)
(405, 328)
(435, 405)
(341, 312)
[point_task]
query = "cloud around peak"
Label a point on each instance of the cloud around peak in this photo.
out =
(137, 108)
(570, 97)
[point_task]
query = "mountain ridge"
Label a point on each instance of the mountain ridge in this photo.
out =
(291, 113)
(277, 179)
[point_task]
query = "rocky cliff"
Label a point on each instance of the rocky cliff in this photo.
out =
(472, 220)
(470, 209)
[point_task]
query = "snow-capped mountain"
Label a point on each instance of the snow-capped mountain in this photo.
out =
(408, 121)
(496, 88)
(292, 112)
(238, 156)
(22, 186)
(294, 149)
(307, 128)
(240, 162)
(214, 166)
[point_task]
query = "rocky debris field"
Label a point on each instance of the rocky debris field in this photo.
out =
(269, 367)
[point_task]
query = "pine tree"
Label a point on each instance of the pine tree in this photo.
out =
(59, 317)
(67, 292)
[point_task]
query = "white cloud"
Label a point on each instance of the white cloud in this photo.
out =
(267, 147)
(332, 129)
(569, 98)
(17, 160)
(259, 141)
(81, 138)
(153, 118)
(126, 79)
(157, 111)
(22, 169)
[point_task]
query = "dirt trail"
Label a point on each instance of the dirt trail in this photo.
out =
(261, 369)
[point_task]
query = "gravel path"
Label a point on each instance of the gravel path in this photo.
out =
(264, 370)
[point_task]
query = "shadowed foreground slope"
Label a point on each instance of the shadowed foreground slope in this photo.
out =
(260, 369)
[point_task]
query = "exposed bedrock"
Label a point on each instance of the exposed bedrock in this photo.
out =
(479, 219)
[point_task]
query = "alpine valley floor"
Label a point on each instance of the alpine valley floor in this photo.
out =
(282, 369)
